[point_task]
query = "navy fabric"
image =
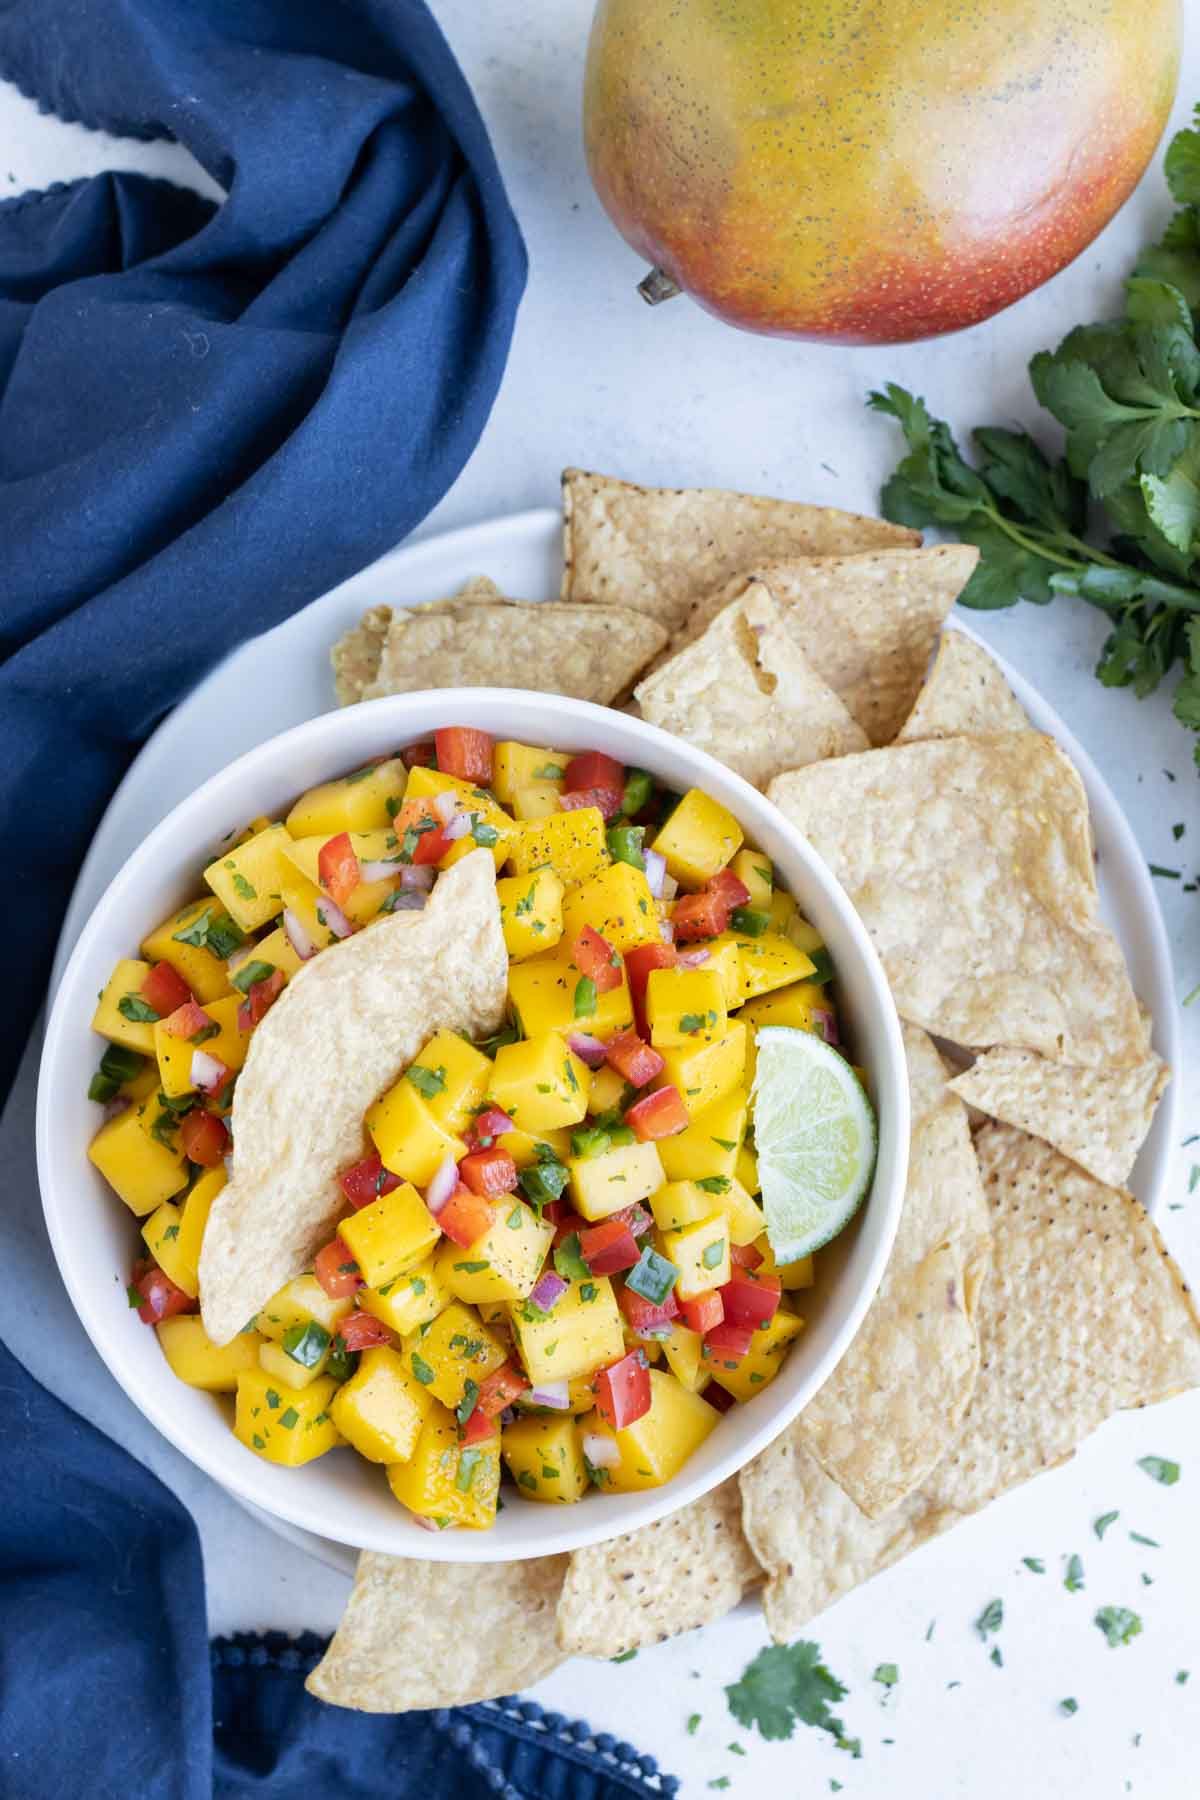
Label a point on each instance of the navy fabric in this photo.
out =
(209, 414)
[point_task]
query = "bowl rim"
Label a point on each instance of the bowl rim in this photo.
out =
(239, 1474)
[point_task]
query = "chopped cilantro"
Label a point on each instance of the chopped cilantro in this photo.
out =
(1153, 1543)
(483, 833)
(428, 1082)
(990, 1619)
(248, 973)
(1068, 1706)
(787, 1684)
(1181, 1676)
(515, 1218)
(134, 1296)
(1073, 1579)
(466, 1405)
(714, 1184)
(1159, 1469)
(1101, 1525)
(468, 1461)
(525, 903)
(1035, 1563)
(625, 1656)
(1119, 1625)
(725, 1143)
(421, 1369)
(550, 771)
(289, 1419)
(273, 1400)
(306, 1343)
(133, 1007)
(568, 1261)
(886, 1674)
(473, 1268)
(693, 1724)
(242, 887)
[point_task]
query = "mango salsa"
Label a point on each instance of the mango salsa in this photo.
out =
(573, 844)
(583, 1332)
(247, 879)
(283, 1424)
(545, 1459)
(504, 1263)
(365, 800)
(745, 1376)
(381, 1409)
(617, 903)
(143, 1169)
(531, 914)
(515, 766)
(544, 989)
(541, 1084)
(201, 1363)
(699, 838)
(455, 1349)
(121, 1014)
(174, 1054)
(196, 941)
(447, 1481)
(656, 1446)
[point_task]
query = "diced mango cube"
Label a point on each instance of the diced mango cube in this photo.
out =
(518, 765)
(544, 989)
(174, 1234)
(407, 1301)
(792, 1275)
(174, 1054)
(608, 1090)
(782, 911)
(680, 1203)
(530, 911)
(526, 1147)
(685, 1006)
(655, 1448)
(545, 1459)
(490, 825)
(143, 1169)
(791, 1005)
(724, 960)
(538, 800)
(767, 962)
(583, 1331)
(617, 903)
(276, 951)
(381, 1409)
(449, 1482)
(196, 942)
(541, 1084)
(746, 1170)
(135, 1026)
(391, 1236)
(284, 1425)
(711, 1142)
(573, 843)
(616, 1178)
(806, 937)
(307, 901)
(296, 1303)
(699, 838)
(195, 1359)
(743, 1215)
(458, 1076)
(703, 1073)
(411, 1142)
(701, 1254)
(504, 1264)
(753, 870)
(246, 879)
(365, 800)
(275, 1360)
(456, 1348)
(683, 1349)
(747, 1375)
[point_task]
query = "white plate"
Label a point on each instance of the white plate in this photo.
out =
(283, 678)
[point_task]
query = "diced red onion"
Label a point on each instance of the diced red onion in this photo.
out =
(549, 1291)
(457, 827)
(666, 931)
(378, 871)
(408, 900)
(601, 1451)
(116, 1106)
(551, 1393)
(297, 936)
(239, 956)
(692, 959)
(335, 918)
(443, 1184)
(424, 1523)
(208, 1073)
(417, 875)
(656, 871)
(638, 1220)
(445, 805)
(588, 1049)
(509, 1416)
(670, 888)
(826, 1024)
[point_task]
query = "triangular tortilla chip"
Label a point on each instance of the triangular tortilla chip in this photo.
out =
(586, 652)
(970, 863)
(343, 1029)
(964, 692)
(421, 1635)
(1097, 1117)
(896, 1400)
(867, 623)
(636, 1590)
(660, 550)
(1070, 1257)
(744, 692)
(357, 654)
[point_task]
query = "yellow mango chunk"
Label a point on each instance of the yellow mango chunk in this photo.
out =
(538, 800)
(126, 1027)
(701, 1254)
(454, 1081)
(365, 800)
(246, 879)
(296, 1303)
(743, 1215)
(544, 991)
(703, 1073)
(791, 1005)
(617, 1178)
(530, 911)
(618, 904)
(767, 962)
(683, 1349)
(699, 838)
(753, 870)
(174, 1054)
(196, 942)
(724, 961)
(391, 1236)
(411, 1142)
(545, 1460)
(782, 911)
(276, 951)
(276, 1362)
(516, 766)
(199, 1362)
(409, 1300)
(523, 1146)
(583, 1331)
(749, 1374)
(746, 1170)
(381, 1409)
(793, 1275)
(143, 1170)
(711, 1142)
(456, 1348)
(541, 1084)
(608, 1090)
(174, 1234)
(572, 843)
(685, 1006)
(655, 1447)
(490, 826)
(504, 1264)
(281, 1424)
(368, 897)
(680, 1203)
(307, 901)
(449, 1482)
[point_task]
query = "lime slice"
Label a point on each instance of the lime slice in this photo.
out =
(815, 1138)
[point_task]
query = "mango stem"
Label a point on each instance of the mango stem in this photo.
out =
(658, 286)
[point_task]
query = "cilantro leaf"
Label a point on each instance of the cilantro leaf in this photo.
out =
(1159, 1469)
(1119, 1625)
(786, 1685)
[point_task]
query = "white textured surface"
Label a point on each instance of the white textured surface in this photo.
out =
(671, 396)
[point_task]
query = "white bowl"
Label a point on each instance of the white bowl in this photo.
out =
(95, 1239)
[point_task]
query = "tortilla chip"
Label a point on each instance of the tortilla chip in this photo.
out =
(659, 550)
(969, 861)
(682, 1572)
(343, 1029)
(964, 692)
(1084, 1314)
(586, 652)
(418, 1635)
(744, 692)
(1097, 1117)
(896, 1400)
(355, 656)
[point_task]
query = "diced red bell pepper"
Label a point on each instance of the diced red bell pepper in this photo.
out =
(592, 769)
(165, 990)
(699, 916)
(633, 1059)
(488, 1172)
(727, 1341)
(465, 1217)
(609, 1247)
(189, 1021)
(640, 963)
(607, 801)
(464, 752)
(337, 868)
(729, 888)
(336, 1270)
(704, 1312)
(595, 957)
(365, 1181)
(478, 1428)
(500, 1389)
(637, 1219)
(486, 1127)
(430, 842)
(204, 1138)
(719, 1398)
(260, 999)
(643, 1316)
(623, 1390)
(657, 1115)
(747, 1256)
(363, 1331)
(160, 1298)
(750, 1298)
(420, 756)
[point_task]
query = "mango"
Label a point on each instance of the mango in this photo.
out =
(407, 1301)
(199, 1362)
(391, 1236)
(683, 1349)
(365, 800)
(246, 878)
(543, 991)
(685, 1006)
(456, 1348)
(276, 951)
(753, 870)
(174, 1054)
(793, 1004)
(515, 766)
(530, 911)
(381, 1409)
(411, 1142)
(545, 1460)
(174, 1234)
(582, 1332)
(541, 1084)
(699, 838)
(536, 801)
(700, 1252)
(296, 1303)
(766, 962)
(614, 1179)
(196, 941)
(491, 828)
(504, 1263)
(572, 843)
(617, 903)
(449, 1482)
(655, 1447)
(143, 1169)
(452, 1079)
(282, 1424)
(282, 1366)
(135, 1025)
(711, 1143)
(747, 1375)
(704, 1073)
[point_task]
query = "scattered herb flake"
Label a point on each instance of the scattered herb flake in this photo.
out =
(1035, 1563)
(886, 1674)
(990, 1619)
(1101, 1525)
(1073, 1579)
(1119, 1625)
(787, 1684)
(1159, 1469)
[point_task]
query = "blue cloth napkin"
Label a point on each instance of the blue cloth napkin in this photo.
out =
(210, 415)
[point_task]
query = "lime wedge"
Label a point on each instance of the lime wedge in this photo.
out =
(815, 1138)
